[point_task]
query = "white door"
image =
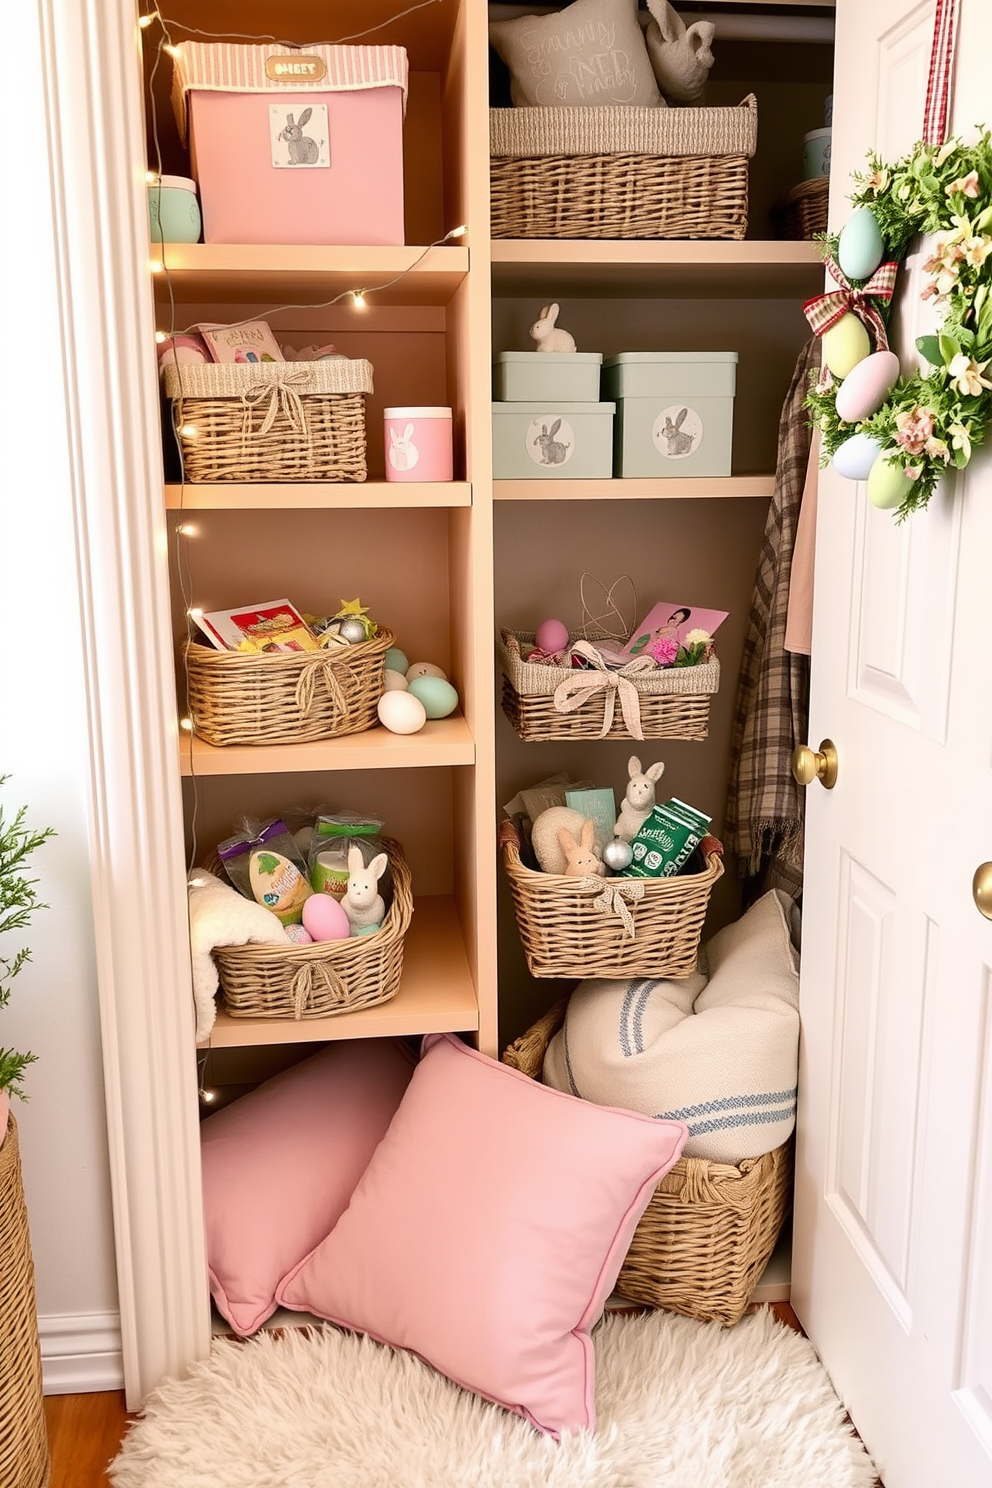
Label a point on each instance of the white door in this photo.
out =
(893, 1234)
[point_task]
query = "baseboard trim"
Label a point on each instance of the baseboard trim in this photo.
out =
(81, 1352)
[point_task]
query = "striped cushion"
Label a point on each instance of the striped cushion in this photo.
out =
(717, 1051)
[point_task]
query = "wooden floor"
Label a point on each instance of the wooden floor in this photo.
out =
(85, 1431)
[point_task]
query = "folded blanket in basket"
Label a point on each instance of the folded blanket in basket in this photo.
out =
(718, 1050)
(220, 916)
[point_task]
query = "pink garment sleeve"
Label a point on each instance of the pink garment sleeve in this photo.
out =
(799, 622)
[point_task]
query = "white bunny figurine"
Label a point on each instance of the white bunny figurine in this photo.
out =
(362, 902)
(580, 857)
(548, 336)
(639, 798)
(681, 56)
(403, 453)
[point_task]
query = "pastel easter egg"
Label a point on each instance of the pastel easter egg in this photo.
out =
(324, 919)
(866, 388)
(888, 487)
(438, 696)
(855, 457)
(394, 681)
(845, 345)
(396, 660)
(298, 935)
(278, 884)
(401, 712)
(425, 669)
(860, 249)
(551, 635)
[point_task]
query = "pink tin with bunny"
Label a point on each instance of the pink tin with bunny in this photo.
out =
(418, 444)
(675, 411)
(294, 147)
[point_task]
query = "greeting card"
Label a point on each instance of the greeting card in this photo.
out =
(672, 620)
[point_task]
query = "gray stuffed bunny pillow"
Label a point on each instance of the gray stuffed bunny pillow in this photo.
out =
(593, 52)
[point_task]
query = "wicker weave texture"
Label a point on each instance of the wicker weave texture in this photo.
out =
(284, 697)
(709, 1230)
(615, 130)
(326, 978)
(802, 212)
(566, 933)
(24, 1461)
(231, 443)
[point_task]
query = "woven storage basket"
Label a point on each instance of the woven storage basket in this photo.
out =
(707, 1234)
(671, 703)
(802, 212)
(620, 172)
(284, 697)
(323, 979)
(24, 1459)
(270, 421)
(568, 930)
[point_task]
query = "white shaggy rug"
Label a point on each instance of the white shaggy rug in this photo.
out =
(681, 1404)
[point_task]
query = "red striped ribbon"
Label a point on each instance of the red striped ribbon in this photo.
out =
(824, 311)
(938, 104)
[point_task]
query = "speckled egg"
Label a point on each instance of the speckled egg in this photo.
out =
(394, 681)
(401, 712)
(551, 635)
(425, 669)
(396, 660)
(855, 457)
(438, 696)
(860, 249)
(863, 392)
(845, 345)
(324, 919)
(888, 487)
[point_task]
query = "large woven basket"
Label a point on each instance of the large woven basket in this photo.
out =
(802, 212)
(620, 172)
(326, 978)
(708, 1233)
(548, 702)
(24, 1461)
(270, 421)
(284, 697)
(569, 929)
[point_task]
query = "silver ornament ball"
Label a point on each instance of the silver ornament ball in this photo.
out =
(617, 855)
(353, 630)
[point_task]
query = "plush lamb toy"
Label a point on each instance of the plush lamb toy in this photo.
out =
(220, 916)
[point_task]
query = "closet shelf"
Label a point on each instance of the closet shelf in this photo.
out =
(436, 994)
(699, 488)
(674, 268)
(316, 495)
(236, 273)
(442, 741)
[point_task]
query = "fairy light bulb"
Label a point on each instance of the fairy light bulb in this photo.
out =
(173, 51)
(194, 613)
(358, 299)
(457, 232)
(152, 178)
(208, 1096)
(160, 336)
(145, 21)
(155, 265)
(188, 431)
(187, 529)
(186, 724)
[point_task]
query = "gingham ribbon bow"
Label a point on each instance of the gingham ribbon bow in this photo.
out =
(611, 894)
(825, 310)
(577, 689)
(281, 395)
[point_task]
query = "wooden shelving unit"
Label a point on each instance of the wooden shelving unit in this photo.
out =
(443, 741)
(661, 270)
(231, 274)
(739, 487)
(316, 496)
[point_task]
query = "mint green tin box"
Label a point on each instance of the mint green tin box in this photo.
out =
(675, 411)
(540, 376)
(553, 441)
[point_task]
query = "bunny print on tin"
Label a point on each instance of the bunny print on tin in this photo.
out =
(403, 453)
(553, 452)
(302, 149)
(362, 902)
(550, 337)
(679, 443)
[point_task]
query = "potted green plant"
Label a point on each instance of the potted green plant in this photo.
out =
(18, 901)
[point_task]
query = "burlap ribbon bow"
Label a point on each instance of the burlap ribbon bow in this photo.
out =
(314, 976)
(825, 310)
(577, 689)
(280, 396)
(611, 895)
(319, 664)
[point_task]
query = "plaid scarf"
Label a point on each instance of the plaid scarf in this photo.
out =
(764, 820)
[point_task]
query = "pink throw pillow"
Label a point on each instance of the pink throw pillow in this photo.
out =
(280, 1164)
(489, 1229)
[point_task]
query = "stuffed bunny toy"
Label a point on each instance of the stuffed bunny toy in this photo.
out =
(580, 857)
(639, 798)
(548, 336)
(680, 55)
(362, 902)
(544, 838)
(302, 149)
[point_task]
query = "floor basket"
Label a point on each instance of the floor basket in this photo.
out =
(270, 421)
(802, 212)
(615, 172)
(581, 927)
(284, 697)
(326, 978)
(546, 702)
(707, 1234)
(24, 1461)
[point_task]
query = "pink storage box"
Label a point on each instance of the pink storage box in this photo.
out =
(418, 444)
(294, 147)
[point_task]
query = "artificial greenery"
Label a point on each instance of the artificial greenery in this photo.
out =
(936, 419)
(18, 901)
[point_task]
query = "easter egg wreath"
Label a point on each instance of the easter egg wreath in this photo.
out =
(902, 434)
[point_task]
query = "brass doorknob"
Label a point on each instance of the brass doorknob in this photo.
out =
(981, 889)
(811, 764)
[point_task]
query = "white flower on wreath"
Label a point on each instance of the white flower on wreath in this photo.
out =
(965, 186)
(966, 375)
(960, 439)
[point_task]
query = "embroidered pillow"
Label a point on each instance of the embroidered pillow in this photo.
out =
(592, 52)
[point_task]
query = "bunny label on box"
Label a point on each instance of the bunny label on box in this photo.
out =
(299, 137)
(677, 432)
(550, 440)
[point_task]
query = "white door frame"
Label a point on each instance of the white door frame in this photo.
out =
(97, 168)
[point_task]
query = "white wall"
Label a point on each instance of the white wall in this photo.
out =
(43, 746)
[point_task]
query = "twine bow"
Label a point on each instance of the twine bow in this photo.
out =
(319, 664)
(301, 990)
(281, 397)
(577, 689)
(611, 893)
(825, 310)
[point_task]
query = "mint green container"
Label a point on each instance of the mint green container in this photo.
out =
(173, 210)
(675, 411)
(553, 441)
(547, 376)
